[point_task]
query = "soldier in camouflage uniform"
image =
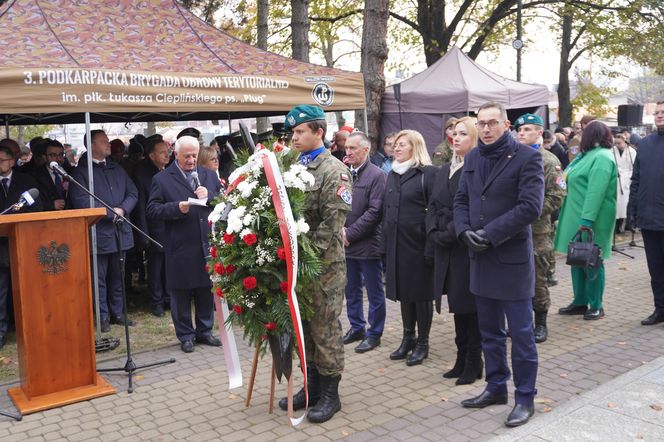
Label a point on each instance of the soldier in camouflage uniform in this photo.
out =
(530, 128)
(327, 203)
(443, 152)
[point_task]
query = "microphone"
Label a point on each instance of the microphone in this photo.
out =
(194, 176)
(27, 199)
(56, 167)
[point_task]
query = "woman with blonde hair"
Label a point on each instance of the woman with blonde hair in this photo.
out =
(451, 260)
(208, 158)
(409, 273)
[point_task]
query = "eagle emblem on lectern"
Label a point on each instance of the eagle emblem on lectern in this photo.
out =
(53, 258)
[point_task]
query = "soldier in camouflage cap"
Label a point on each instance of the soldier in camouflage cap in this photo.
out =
(530, 129)
(327, 203)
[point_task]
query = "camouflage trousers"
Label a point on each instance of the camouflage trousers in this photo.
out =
(322, 333)
(551, 256)
(543, 248)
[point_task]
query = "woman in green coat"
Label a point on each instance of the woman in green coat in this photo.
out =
(590, 205)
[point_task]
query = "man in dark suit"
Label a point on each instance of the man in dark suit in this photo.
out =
(52, 189)
(113, 186)
(12, 185)
(186, 240)
(500, 194)
(156, 160)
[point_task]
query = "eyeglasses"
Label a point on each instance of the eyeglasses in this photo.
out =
(56, 155)
(491, 123)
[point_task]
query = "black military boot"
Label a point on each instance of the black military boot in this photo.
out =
(329, 402)
(461, 341)
(541, 332)
(314, 387)
(424, 317)
(408, 342)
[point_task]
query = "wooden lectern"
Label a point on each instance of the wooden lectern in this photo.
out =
(50, 262)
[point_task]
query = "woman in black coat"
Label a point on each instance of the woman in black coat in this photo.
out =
(451, 261)
(409, 273)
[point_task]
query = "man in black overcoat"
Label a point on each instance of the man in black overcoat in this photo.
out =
(157, 157)
(12, 185)
(500, 194)
(186, 240)
(113, 186)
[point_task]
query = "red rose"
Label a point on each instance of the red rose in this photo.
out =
(228, 238)
(213, 252)
(281, 253)
(283, 285)
(209, 223)
(237, 309)
(219, 268)
(249, 283)
(219, 293)
(230, 268)
(207, 268)
(250, 239)
(270, 326)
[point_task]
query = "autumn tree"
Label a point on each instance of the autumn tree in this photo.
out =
(374, 55)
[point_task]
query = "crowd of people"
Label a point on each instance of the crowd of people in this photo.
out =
(476, 223)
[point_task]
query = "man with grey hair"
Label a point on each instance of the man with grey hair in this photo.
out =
(361, 236)
(185, 244)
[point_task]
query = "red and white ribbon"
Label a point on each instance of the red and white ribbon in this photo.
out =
(228, 343)
(289, 237)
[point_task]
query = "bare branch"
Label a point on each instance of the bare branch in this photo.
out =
(403, 19)
(337, 18)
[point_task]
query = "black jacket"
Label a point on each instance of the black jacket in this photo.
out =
(47, 191)
(20, 182)
(646, 199)
(408, 274)
(363, 221)
(451, 262)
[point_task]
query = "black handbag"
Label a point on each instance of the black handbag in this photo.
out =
(582, 253)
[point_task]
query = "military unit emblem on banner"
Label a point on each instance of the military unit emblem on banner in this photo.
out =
(323, 94)
(53, 258)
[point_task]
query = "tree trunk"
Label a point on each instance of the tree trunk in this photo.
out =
(564, 99)
(262, 123)
(300, 29)
(374, 55)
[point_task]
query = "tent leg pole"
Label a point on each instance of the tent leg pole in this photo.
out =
(7, 127)
(366, 121)
(93, 229)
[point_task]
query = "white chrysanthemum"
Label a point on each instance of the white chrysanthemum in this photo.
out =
(235, 219)
(301, 227)
(215, 215)
(246, 187)
(248, 219)
(307, 177)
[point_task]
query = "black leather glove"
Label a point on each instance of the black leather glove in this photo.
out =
(476, 241)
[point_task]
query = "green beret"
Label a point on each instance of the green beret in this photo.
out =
(528, 119)
(303, 114)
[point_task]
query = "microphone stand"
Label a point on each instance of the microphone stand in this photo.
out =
(130, 366)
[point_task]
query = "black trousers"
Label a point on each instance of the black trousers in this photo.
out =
(653, 240)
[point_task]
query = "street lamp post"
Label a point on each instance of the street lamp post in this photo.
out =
(518, 42)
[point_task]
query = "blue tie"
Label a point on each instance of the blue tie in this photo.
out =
(58, 185)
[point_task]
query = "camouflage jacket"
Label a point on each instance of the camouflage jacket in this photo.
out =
(442, 154)
(555, 189)
(327, 203)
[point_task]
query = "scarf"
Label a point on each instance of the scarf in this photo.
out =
(491, 153)
(401, 168)
(456, 164)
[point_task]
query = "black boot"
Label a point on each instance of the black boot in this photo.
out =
(461, 341)
(314, 387)
(329, 402)
(424, 311)
(541, 332)
(474, 366)
(408, 342)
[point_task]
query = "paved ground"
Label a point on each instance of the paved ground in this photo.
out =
(385, 400)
